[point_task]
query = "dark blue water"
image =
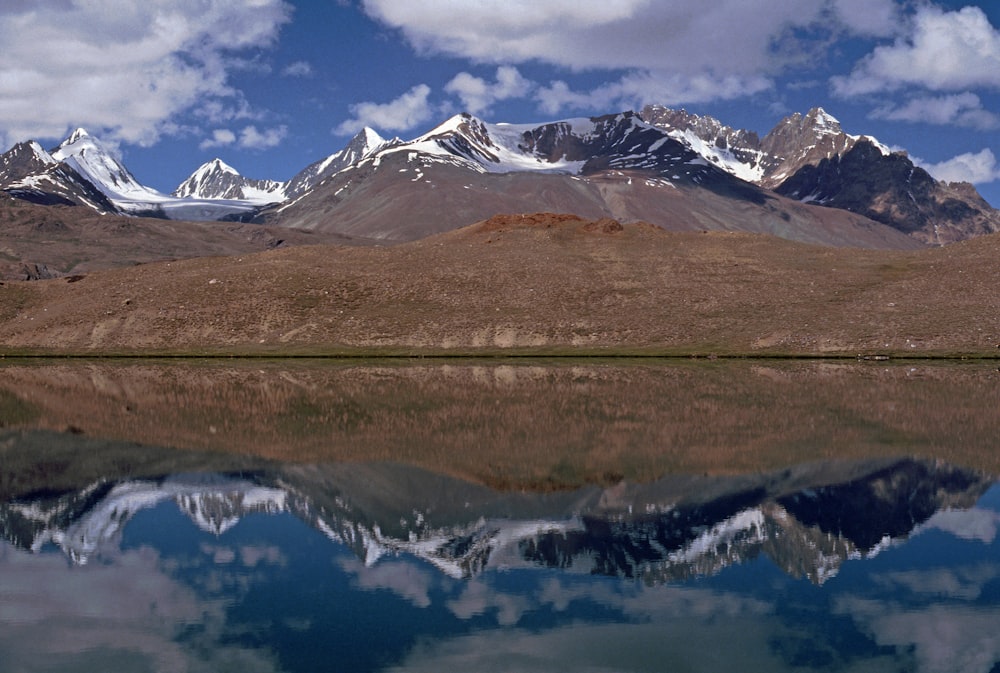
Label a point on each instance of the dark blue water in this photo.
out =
(236, 575)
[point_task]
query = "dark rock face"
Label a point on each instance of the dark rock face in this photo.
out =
(891, 190)
(810, 158)
(33, 271)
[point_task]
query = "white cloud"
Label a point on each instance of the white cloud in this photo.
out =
(945, 51)
(298, 69)
(477, 95)
(667, 51)
(220, 138)
(401, 114)
(724, 37)
(253, 139)
(977, 168)
(637, 89)
(876, 18)
(125, 70)
(407, 580)
(964, 109)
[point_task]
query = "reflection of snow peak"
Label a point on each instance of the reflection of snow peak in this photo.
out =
(460, 551)
(747, 527)
(636, 531)
(214, 507)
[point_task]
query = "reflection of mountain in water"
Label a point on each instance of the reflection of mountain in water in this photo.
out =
(808, 519)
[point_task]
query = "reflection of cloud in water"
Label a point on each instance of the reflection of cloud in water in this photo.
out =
(943, 638)
(963, 583)
(128, 615)
(478, 598)
(971, 524)
(723, 645)
(404, 579)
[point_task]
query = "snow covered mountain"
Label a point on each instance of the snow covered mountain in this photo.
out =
(29, 172)
(217, 180)
(811, 158)
(797, 141)
(365, 143)
(572, 147)
(627, 166)
(467, 170)
(83, 171)
(94, 161)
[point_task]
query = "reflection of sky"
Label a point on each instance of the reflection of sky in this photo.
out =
(273, 594)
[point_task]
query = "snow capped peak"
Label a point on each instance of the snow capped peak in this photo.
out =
(40, 153)
(218, 164)
(78, 134)
(460, 123)
(370, 137)
(364, 143)
(78, 142)
(92, 159)
(821, 120)
(218, 180)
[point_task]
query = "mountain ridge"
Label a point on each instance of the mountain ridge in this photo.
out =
(659, 147)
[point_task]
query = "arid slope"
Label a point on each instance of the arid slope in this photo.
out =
(544, 284)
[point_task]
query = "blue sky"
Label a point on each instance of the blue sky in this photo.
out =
(272, 85)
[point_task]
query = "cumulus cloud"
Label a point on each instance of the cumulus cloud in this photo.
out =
(634, 90)
(477, 95)
(298, 69)
(220, 138)
(964, 109)
(975, 167)
(124, 69)
(671, 51)
(253, 139)
(945, 51)
(250, 138)
(725, 36)
(401, 114)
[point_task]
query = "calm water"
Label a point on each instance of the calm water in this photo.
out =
(512, 517)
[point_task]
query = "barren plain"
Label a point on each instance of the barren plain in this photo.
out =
(541, 284)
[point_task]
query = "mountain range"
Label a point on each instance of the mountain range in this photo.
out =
(806, 180)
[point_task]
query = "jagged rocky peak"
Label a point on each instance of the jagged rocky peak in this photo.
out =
(79, 133)
(78, 144)
(816, 120)
(366, 138)
(366, 142)
(218, 164)
(216, 179)
(467, 134)
(704, 126)
(21, 160)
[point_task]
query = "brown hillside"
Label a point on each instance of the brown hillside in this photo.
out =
(47, 241)
(538, 283)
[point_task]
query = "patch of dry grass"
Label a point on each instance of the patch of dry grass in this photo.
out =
(545, 285)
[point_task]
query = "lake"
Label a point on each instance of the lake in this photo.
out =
(499, 515)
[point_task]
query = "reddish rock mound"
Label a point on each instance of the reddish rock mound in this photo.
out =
(527, 221)
(605, 225)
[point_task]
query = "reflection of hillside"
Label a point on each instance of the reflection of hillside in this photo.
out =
(808, 519)
(530, 425)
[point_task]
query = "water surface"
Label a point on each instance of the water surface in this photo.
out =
(596, 516)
